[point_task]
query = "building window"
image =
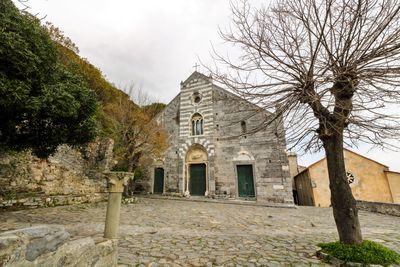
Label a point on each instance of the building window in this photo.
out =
(350, 177)
(197, 124)
(196, 98)
(243, 126)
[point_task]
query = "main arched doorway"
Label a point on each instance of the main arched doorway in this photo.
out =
(197, 178)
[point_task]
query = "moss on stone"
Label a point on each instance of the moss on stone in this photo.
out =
(368, 252)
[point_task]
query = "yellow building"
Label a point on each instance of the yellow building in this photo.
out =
(368, 179)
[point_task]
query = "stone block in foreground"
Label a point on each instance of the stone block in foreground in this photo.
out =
(49, 245)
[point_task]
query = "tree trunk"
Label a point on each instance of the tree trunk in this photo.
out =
(129, 188)
(131, 166)
(342, 200)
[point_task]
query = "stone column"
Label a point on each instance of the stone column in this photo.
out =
(116, 183)
(187, 175)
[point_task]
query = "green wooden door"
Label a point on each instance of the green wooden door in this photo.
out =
(197, 179)
(245, 181)
(158, 181)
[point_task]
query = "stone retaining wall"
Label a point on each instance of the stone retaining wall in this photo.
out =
(67, 177)
(50, 201)
(49, 245)
(384, 208)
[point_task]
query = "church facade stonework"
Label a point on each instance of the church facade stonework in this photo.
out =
(211, 152)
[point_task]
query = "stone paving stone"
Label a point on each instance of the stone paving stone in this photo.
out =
(160, 232)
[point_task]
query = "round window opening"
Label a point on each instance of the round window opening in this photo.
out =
(196, 98)
(350, 177)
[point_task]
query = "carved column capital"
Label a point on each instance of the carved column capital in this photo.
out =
(117, 180)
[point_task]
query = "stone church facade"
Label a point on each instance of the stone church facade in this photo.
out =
(210, 152)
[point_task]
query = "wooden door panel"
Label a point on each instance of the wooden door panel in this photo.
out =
(245, 181)
(197, 179)
(158, 181)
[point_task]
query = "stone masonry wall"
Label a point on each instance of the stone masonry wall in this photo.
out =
(49, 245)
(202, 86)
(384, 208)
(170, 121)
(69, 176)
(225, 141)
(264, 149)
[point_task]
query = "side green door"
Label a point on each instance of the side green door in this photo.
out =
(245, 181)
(158, 181)
(197, 179)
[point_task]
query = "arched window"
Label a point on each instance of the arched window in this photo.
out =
(197, 124)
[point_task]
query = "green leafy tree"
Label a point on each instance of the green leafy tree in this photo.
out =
(106, 93)
(42, 103)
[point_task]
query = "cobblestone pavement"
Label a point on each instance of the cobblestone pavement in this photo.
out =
(160, 232)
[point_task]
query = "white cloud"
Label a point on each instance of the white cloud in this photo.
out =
(152, 43)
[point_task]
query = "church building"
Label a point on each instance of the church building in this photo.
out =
(211, 152)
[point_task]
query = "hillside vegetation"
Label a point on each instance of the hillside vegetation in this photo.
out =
(131, 125)
(49, 95)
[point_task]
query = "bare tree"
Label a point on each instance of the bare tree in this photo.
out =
(136, 134)
(332, 67)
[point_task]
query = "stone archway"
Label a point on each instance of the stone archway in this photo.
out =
(196, 163)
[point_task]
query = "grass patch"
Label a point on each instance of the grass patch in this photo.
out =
(367, 252)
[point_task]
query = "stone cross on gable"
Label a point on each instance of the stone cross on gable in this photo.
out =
(196, 66)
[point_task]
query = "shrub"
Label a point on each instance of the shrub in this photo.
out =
(367, 252)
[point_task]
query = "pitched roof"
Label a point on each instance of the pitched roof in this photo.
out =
(199, 75)
(392, 171)
(367, 158)
(196, 74)
(318, 161)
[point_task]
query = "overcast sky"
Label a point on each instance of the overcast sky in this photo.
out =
(153, 44)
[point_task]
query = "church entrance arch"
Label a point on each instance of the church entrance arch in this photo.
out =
(197, 169)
